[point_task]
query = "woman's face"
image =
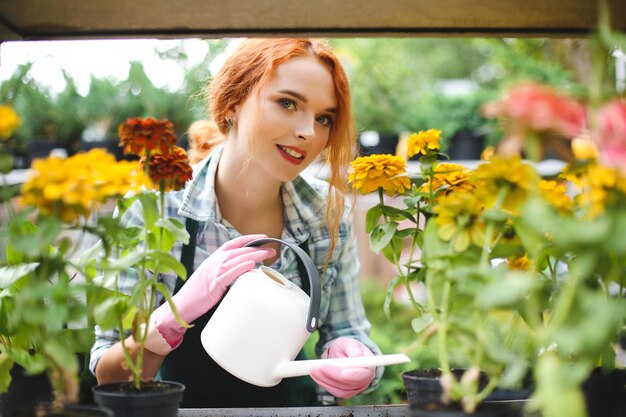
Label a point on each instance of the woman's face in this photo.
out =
(288, 122)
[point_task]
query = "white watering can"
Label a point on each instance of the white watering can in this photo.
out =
(263, 322)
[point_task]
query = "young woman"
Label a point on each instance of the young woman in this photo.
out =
(277, 105)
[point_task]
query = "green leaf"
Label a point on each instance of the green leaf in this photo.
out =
(81, 340)
(165, 262)
(177, 229)
(128, 261)
(6, 363)
(150, 209)
(61, 354)
(419, 324)
(10, 274)
(397, 214)
(32, 363)
(372, 216)
(108, 313)
(508, 291)
(393, 251)
(382, 235)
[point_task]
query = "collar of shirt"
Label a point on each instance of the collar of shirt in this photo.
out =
(302, 201)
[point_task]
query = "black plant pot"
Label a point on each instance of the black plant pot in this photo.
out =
(605, 393)
(424, 393)
(467, 145)
(156, 398)
(44, 410)
(372, 142)
(25, 391)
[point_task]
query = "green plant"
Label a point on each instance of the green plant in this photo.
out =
(144, 249)
(521, 277)
(50, 292)
(47, 290)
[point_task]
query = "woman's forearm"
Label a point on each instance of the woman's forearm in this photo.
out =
(112, 366)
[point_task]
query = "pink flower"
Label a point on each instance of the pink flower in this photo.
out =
(532, 106)
(611, 134)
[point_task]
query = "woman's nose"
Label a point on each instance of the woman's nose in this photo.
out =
(305, 127)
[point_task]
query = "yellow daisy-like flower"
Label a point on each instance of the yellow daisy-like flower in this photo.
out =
(424, 142)
(507, 176)
(521, 263)
(600, 185)
(9, 121)
(556, 194)
(454, 176)
(379, 171)
(73, 187)
(458, 217)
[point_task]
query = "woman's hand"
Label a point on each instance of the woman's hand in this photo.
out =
(344, 382)
(203, 290)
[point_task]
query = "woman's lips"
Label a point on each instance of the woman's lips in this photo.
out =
(291, 154)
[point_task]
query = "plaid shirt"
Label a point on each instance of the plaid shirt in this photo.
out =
(341, 310)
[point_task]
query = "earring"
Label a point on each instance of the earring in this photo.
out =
(229, 122)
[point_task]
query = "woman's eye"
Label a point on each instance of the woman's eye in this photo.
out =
(325, 120)
(287, 103)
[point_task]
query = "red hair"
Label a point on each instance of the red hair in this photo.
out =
(251, 67)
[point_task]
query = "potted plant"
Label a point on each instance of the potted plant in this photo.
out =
(146, 249)
(523, 276)
(46, 279)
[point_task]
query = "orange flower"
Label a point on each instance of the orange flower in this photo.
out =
(170, 170)
(146, 136)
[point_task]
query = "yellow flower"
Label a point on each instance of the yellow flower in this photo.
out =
(453, 176)
(506, 178)
(379, 171)
(487, 153)
(9, 121)
(423, 142)
(584, 148)
(73, 187)
(600, 185)
(521, 262)
(556, 194)
(458, 217)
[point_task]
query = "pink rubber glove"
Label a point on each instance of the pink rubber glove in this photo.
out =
(203, 290)
(344, 382)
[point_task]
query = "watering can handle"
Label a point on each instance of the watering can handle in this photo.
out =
(314, 279)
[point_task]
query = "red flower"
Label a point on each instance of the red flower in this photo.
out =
(611, 134)
(146, 136)
(171, 170)
(540, 108)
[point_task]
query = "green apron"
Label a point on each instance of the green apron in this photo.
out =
(207, 384)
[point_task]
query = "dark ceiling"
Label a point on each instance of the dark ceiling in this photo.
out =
(97, 19)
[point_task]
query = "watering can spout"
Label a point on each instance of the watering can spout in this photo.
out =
(288, 369)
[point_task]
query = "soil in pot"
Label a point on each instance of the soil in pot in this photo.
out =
(155, 398)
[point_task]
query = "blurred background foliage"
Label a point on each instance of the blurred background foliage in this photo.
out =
(399, 85)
